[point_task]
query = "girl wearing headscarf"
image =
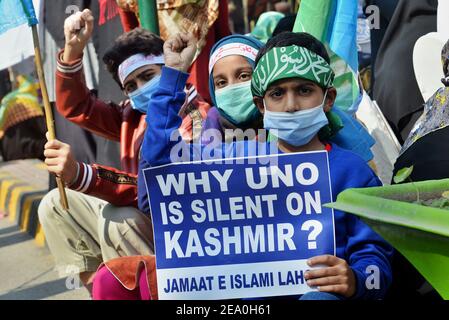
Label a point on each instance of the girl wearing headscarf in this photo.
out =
(231, 66)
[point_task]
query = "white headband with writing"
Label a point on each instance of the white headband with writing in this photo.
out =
(135, 62)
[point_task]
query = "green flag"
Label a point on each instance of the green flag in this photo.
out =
(148, 15)
(334, 23)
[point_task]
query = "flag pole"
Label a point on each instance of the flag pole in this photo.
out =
(32, 22)
(48, 112)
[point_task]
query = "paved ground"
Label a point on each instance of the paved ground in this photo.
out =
(26, 271)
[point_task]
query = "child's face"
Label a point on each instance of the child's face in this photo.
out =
(231, 70)
(296, 94)
(140, 77)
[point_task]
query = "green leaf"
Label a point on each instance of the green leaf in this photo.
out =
(403, 174)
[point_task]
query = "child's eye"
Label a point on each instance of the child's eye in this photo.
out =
(148, 77)
(305, 90)
(220, 84)
(245, 76)
(276, 94)
(130, 87)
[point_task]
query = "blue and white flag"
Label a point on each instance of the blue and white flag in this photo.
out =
(14, 13)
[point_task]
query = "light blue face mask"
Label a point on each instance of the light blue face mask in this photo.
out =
(296, 128)
(236, 102)
(142, 96)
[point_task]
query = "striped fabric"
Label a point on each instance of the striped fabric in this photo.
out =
(84, 179)
(65, 68)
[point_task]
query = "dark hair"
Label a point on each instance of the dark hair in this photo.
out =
(128, 44)
(286, 24)
(300, 39)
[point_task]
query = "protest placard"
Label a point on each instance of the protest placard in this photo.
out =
(225, 231)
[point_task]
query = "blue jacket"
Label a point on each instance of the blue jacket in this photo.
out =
(355, 241)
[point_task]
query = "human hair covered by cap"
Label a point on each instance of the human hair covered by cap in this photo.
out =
(292, 55)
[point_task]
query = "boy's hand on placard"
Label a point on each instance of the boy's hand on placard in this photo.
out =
(337, 277)
(179, 51)
(78, 30)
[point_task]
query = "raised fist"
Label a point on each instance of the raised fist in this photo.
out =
(179, 51)
(78, 29)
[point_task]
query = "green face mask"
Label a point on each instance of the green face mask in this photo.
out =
(236, 102)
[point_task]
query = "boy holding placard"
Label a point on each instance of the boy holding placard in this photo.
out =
(292, 87)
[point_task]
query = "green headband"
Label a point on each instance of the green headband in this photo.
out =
(290, 62)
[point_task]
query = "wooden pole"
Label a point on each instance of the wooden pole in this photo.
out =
(47, 107)
(245, 16)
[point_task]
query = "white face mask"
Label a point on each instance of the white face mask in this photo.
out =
(296, 128)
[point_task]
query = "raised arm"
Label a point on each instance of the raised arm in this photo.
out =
(73, 99)
(163, 118)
